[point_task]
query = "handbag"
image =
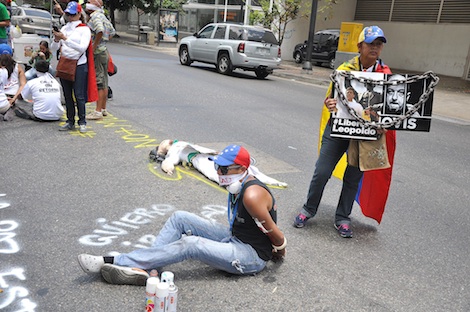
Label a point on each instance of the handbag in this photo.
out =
(112, 68)
(66, 68)
(368, 155)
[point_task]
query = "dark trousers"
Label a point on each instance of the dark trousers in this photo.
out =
(331, 151)
(79, 89)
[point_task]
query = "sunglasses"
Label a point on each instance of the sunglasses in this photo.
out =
(224, 169)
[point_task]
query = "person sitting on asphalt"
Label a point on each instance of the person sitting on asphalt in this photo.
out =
(174, 152)
(45, 93)
(16, 74)
(44, 53)
(242, 248)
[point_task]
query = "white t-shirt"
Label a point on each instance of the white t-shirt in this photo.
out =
(13, 83)
(4, 104)
(45, 93)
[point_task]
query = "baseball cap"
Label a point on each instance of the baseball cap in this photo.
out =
(73, 8)
(370, 33)
(5, 49)
(232, 154)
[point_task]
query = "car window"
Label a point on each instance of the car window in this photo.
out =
(235, 33)
(324, 39)
(206, 32)
(16, 12)
(316, 38)
(260, 35)
(38, 13)
(220, 32)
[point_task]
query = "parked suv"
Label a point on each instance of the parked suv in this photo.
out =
(232, 46)
(325, 44)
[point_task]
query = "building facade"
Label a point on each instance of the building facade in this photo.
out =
(422, 35)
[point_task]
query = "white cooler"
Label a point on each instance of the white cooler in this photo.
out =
(24, 46)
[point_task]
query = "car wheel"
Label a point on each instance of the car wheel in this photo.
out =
(224, 65)
(184, 56)
(261, 73)
(298, 57)
(331, 63)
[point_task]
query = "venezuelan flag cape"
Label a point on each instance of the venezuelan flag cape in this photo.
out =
(374, 186)
(92, 87)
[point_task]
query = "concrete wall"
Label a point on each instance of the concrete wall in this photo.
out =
(442, 48)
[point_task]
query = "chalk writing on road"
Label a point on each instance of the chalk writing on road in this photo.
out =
(110, 232)
(13, 296)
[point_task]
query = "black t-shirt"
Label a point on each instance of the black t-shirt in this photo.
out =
(245, 228)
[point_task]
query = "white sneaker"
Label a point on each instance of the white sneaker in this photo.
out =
(90, 264)
(120, 275)
(82, 128)
(104, 112)
(94, 116)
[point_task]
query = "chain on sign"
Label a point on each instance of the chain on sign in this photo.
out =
(369, 84)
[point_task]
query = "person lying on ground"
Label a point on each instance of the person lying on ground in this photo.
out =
(174, 152)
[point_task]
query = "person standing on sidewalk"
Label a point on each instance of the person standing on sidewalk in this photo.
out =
(242, 248)
(370, 44)
(102, 30)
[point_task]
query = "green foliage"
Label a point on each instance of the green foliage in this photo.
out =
(285, 11)
(282, 13)
(144, 6)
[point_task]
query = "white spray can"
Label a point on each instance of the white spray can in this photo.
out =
(161, 297)
(168, 277)
(150, 292)
(172, 298)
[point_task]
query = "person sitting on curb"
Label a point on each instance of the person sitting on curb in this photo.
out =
(174, 152)
(242, 248)
(45, 93)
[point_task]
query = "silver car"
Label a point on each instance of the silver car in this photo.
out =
(32, 21)
(231, 46)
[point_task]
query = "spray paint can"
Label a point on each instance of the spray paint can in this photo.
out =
(168, 277)
(161, 297)
(172, 298)
(150, 292)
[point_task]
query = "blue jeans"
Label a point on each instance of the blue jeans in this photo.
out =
(79, 88)
(32, 73)
(331, 151)
(188, 236)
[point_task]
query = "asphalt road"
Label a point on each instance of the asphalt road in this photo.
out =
(65, 193)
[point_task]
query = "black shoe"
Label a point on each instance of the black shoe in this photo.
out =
(344, 230)
(67, 127)
(110, 93)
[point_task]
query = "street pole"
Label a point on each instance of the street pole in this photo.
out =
(158, 22)
(313, 15)
(246, 20)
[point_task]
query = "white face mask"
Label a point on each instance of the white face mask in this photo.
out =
(232, 181)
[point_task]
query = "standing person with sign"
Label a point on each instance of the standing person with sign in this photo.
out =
(243, 248)
(370, 44)
(102, 31)
(73, 41)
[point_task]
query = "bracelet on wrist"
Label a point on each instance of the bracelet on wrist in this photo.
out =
(283, 246)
